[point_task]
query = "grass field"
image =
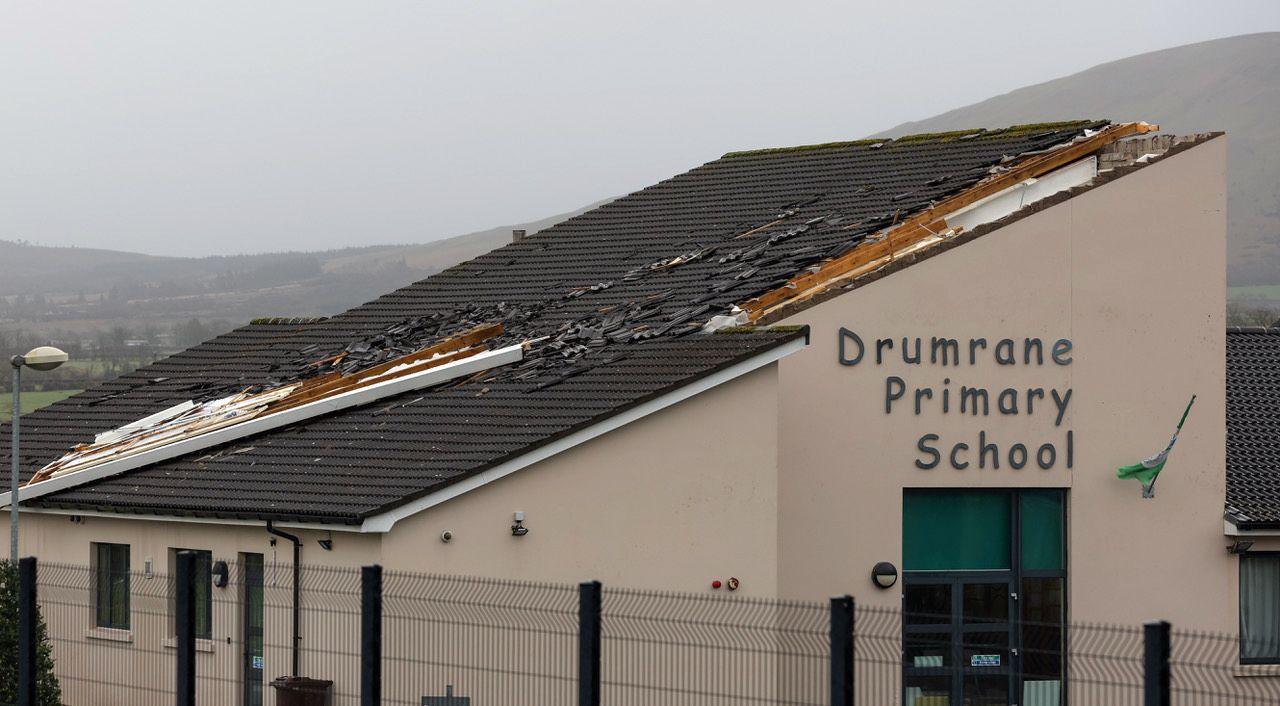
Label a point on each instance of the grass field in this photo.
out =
(31, 401)
(1256, 291)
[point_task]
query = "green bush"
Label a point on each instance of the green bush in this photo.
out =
(47, 689)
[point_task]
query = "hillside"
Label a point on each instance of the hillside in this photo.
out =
(82, 289)
(1227, 84)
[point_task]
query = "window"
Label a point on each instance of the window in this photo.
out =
(1260, 608)
(111, 585)
(204, 589)
(956, 530)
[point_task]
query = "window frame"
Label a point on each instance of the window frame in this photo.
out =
(1016, 573)
(111, 585)
(204, 591)
(1240, 609)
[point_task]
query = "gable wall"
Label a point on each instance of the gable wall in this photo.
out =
(1133, 273)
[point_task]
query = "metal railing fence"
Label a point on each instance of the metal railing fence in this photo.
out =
(411, 639)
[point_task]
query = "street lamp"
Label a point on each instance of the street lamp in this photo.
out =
(42, 358)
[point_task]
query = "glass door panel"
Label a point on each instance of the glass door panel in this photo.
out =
(985, 627)
(251, 610)
(927, 690)
(986, 603)
(1042, 641)
(985, 690)
(927, 604)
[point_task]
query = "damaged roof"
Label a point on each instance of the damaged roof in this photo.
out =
(1253, 427)
(608, 304)
(346, 466)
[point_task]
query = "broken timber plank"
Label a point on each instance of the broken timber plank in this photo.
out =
(932, 221)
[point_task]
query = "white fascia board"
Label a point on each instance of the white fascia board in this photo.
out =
(318, 526)
(383, 522)
(1018, 196)
(346, 400)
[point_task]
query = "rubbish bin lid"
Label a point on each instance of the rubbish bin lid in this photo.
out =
(301, 684)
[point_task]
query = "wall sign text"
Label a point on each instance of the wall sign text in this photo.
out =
(903, 397)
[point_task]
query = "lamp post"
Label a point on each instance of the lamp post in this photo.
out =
(42, 358)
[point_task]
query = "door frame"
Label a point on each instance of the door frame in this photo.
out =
(246, 628)
(1014, 575)
(957, 627)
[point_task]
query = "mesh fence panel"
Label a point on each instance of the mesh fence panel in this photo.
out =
(668, 648)
(493, 641)
(1205, 670)
(512, 642)
(101, 665)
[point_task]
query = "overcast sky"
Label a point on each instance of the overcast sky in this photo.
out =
(215, 128)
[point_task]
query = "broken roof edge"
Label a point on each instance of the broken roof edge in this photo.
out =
(784, 312)
(304, 412)
(948, 136)
(382, 520)
(1237, 523)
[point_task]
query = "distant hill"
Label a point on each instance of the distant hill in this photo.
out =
(1227, 84)
(440, 254)
(49, 288)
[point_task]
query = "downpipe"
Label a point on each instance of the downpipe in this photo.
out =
(297, 573)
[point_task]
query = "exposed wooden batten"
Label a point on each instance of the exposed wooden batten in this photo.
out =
(930, 224)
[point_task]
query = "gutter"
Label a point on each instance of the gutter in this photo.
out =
(1242, 528)
(297, 605)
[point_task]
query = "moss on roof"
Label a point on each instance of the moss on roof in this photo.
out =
(802, 148)
(730, 330)
(972, 133)
(286, 320)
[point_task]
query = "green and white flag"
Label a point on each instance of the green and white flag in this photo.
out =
(1147, 470)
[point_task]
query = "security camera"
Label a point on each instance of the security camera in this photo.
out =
(446, 536)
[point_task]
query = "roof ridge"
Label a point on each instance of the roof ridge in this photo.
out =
(947, 136)
(286, 320)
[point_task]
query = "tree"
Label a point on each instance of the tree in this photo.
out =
(48, 692)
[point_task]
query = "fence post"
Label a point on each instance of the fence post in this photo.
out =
(1155, 663)
(589, 644)
(371, 636)
(842, 651)
(184, 615)
(27, 633)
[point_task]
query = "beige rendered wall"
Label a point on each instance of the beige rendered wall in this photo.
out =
(671, 501)
(97, 667)
(1133, 273)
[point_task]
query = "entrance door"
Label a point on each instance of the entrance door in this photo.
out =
(251, 609)
(958, 637)
(983, 577)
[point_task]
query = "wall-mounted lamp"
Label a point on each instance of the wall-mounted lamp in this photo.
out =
(1239, 546)
(518, 529)
(884, 574)
(327, 543)
(221, 574)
